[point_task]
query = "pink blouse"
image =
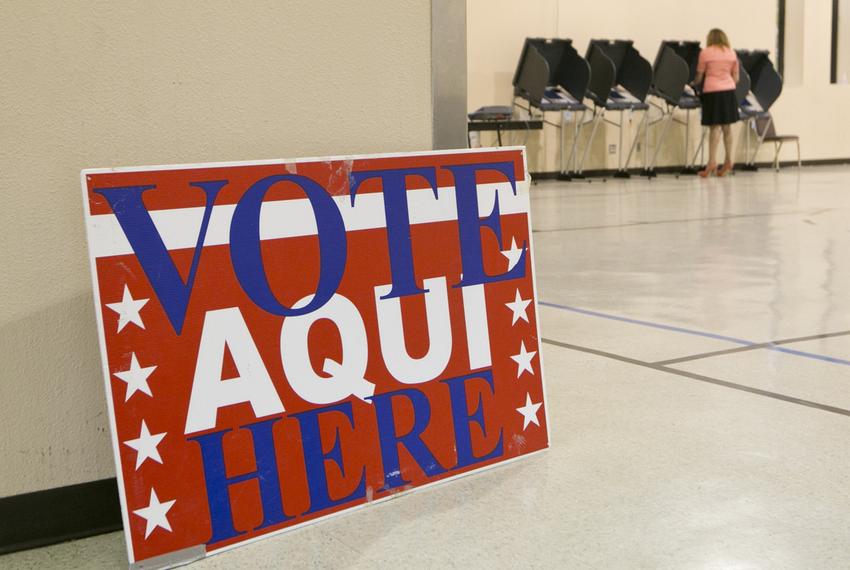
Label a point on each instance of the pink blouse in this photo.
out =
(718, 63)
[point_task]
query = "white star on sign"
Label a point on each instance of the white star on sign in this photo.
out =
(128, 310)
(154, 514)
(529, 412)
(523, 360)
(136, 378)
(518, 306)
(145, 445)
(513, 254)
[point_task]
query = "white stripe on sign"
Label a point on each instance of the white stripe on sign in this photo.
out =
(292, 218)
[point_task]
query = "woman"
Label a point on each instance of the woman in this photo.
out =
(717, 69)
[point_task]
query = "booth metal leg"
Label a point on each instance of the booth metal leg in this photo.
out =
(543, 145)
(749, 163)
(699, 150)
(665, 125)
(760, 137)
(621, 173)
(645, 124)
(562, 175)
(597, 118)
(646, 144)
(620, 144)
(688, 168)
(572, 161)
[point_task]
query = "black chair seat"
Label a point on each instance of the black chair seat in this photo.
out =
(780, 138)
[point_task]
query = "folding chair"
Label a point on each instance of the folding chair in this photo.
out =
(766, 131)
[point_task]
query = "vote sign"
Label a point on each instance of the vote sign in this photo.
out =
(285, 340)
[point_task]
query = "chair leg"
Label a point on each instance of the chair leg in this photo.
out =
(799, 162)
(776, 148)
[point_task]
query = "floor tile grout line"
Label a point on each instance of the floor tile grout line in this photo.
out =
(680, 221)
(661, 326)
(673, 328)
(702, 378)
(713, 353)
(703, 355)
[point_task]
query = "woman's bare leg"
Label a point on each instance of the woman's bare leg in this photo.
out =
(727, 146)
(713, 143)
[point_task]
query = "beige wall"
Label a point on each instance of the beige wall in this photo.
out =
(94, 84)
(843, 48)
(814, 108)
(496, 29)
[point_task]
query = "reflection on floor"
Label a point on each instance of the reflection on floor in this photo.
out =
(698, 372)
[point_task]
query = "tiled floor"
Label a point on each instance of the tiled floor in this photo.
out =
(682, 437)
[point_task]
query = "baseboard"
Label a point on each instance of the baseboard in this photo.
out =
(56, 515)
(606, 173)
(813, 162)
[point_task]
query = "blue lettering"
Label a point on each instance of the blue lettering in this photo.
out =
(462, 419)
(470, 224)
(412, 440)
(398, 223)
(134, 218)
(246, 255)
(315, 457)
(218, 497)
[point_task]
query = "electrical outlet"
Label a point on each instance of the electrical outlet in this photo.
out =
(612, 149)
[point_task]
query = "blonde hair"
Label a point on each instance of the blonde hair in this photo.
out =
(717, 37)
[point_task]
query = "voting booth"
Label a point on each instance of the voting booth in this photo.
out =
(670, 76)
(620, 82)
(551, 77)
(667, 73)
(764, 89)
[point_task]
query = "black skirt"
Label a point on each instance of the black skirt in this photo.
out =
(719, 108)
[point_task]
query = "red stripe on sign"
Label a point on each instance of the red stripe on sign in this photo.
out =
(173, 189)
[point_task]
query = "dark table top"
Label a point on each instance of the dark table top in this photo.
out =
(506, 125)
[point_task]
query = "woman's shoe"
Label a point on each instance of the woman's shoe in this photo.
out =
(725, 169)
(708, 171)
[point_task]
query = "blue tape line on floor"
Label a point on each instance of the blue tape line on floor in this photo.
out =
(672, 328)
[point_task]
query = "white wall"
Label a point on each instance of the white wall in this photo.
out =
(795, 19)
(496, 29)
(816, 109)
(94, 84)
